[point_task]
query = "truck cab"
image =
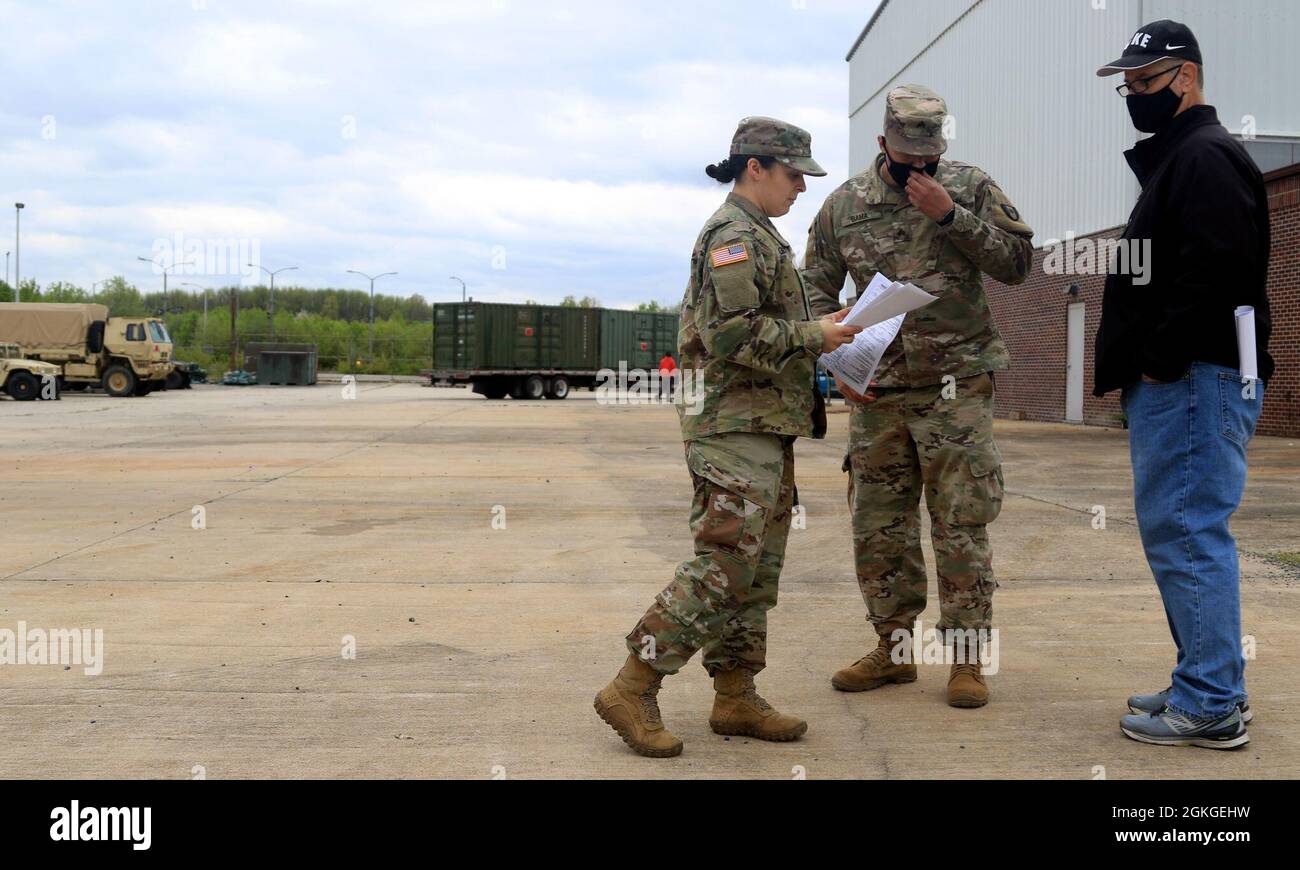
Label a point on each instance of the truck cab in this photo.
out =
(140, 353)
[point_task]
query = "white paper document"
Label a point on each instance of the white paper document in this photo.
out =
(1249, 365)
(880, 310)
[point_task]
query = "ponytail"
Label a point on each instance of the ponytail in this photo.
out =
(728, 170)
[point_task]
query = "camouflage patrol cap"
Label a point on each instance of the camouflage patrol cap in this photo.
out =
(768, 137)
(914, 120)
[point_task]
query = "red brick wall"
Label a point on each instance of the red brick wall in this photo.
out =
(1032, 320)
(1281, 414)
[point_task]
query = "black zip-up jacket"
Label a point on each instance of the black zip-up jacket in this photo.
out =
(1204, 208)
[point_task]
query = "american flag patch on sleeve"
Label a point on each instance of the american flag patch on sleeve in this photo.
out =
(728, 255)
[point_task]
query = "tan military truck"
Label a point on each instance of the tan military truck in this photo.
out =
(26, 379)
(127, 356)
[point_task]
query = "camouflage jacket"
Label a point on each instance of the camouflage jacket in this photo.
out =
(747, 333)
(866, 226)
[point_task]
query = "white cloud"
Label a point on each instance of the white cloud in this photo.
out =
(573, 134)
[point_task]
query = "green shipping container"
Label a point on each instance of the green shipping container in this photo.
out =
(491, 336)
(638, 339)
(287, 367)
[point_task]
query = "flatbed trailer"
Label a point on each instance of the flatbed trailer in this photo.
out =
(530, 384)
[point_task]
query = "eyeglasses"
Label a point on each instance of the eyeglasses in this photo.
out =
(1141, 86)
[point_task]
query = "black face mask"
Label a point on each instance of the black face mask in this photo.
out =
(900, 171)
(1151, 112)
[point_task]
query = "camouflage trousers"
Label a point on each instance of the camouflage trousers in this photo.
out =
(740, 516)
(906, 440)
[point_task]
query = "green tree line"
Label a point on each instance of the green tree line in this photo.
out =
(336, 321)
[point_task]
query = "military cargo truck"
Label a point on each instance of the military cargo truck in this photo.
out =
(127, 356)
(531, 351)
(26, 379)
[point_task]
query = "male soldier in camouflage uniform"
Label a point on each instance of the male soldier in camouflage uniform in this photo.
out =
(928, 419)
(748, 333)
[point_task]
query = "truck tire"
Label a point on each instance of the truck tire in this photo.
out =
(119, 381)
(23, 386)
(143, 388)
(559, 388)
(534, 387)
(493, 391)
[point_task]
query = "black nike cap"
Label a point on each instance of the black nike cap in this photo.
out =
(1156, 41)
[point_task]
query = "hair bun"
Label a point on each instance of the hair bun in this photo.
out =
(721, 171)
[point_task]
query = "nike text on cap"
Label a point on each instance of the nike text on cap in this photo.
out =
(1156, 41)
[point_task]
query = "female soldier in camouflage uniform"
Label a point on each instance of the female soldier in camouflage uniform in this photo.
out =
(749, 338)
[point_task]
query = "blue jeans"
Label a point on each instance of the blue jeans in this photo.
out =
(1188, 443)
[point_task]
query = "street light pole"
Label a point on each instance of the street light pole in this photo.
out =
(372, 279)
(462, 286)
(234, 328)
(18, 212)
(164, 274)
(7, 253)
(271, 304)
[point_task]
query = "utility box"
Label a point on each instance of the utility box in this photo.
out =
(291, 365)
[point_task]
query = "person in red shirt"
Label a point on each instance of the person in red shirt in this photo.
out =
(667, 371)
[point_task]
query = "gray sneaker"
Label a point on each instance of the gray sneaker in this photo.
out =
(1155, 703)
(1174, 729)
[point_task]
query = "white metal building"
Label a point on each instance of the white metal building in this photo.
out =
(1026, 105)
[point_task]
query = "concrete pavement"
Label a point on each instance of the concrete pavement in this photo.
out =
(479, 648)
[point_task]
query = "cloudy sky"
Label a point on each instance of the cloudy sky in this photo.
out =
(535, 148)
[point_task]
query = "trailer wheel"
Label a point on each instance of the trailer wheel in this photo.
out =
(119, 381)
(534, 387)
(23, 386)
(559, 388)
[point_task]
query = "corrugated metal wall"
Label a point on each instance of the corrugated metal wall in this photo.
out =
(636, 339)
(479, 335)
(1020, 80)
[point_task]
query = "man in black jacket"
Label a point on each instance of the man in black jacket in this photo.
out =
(1169, 339)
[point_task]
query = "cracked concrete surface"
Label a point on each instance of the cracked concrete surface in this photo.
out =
(478, 650)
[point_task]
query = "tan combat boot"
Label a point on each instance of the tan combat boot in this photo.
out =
(738, 710)
(630, 705)
(966, 686)
(874, 670)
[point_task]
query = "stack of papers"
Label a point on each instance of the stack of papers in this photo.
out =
(1249, 362)
(879, 311)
